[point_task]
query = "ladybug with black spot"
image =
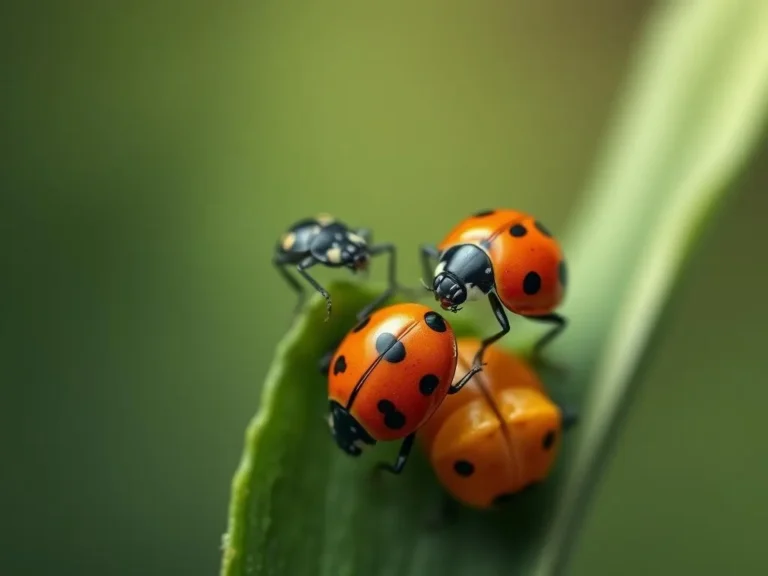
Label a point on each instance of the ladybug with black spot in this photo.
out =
(387, 377)
(498, 437)
(327, 241)
(508, 256)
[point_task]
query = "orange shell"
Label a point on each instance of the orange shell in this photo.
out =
(499, 434)
(528, 264)
(403, 359)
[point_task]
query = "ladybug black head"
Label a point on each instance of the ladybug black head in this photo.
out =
(349, 435)
(463, 273)
(449, 290)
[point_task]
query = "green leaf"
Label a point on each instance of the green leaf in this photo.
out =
(693, 109)
(298, 503)
(693, 112)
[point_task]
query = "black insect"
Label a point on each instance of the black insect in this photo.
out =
(327, 241)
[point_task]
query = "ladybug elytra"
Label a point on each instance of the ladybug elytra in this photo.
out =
(499, 436)
(388, 376)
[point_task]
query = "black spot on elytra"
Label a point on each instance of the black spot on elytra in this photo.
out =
(393, 418)
(543, 229)
(464, 468)
(562, 272)
(388, 345)
(384, 341)
(531, 283)
(428, 384)
(518, 231)
(435, 321)
(385, 406)
(483, 213)
(363, 323)
(340, 366)
(549, 440)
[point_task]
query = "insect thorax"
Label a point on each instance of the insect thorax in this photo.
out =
(471, 265)
(336, 245)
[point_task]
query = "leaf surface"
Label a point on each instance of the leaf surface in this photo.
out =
(693, 112)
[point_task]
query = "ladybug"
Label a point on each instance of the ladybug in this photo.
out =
(327, 241)
(508, 256)
(499, 436)
(387, 377)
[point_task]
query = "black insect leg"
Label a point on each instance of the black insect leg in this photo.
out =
(464, 379)
(504, 500)
(367, 235)
(292, 282)
(569, 415)
(429, 254)
(392, 286)
(402, 456)
(325, 362)
(559, 323)
(501, 317)
(308, 262)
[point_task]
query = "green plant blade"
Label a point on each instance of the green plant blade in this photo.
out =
(694, 108)
(692, 114)
(300, 506)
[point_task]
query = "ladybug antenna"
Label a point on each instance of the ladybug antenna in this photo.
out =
(427, 288)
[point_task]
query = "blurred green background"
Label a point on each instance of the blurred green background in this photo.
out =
(153, 152)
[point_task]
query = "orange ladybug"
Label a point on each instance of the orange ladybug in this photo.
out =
(499, 436)
(387, 377)
(508, 256)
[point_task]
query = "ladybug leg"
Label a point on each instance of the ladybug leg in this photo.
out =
(501, 317)
(429, 254)
(392, 286)
(292, 282)
(402, 456)
(569, 415)
(325, 362)
(559, 323)
(367, 235)
(466, 378)
(308, 262)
